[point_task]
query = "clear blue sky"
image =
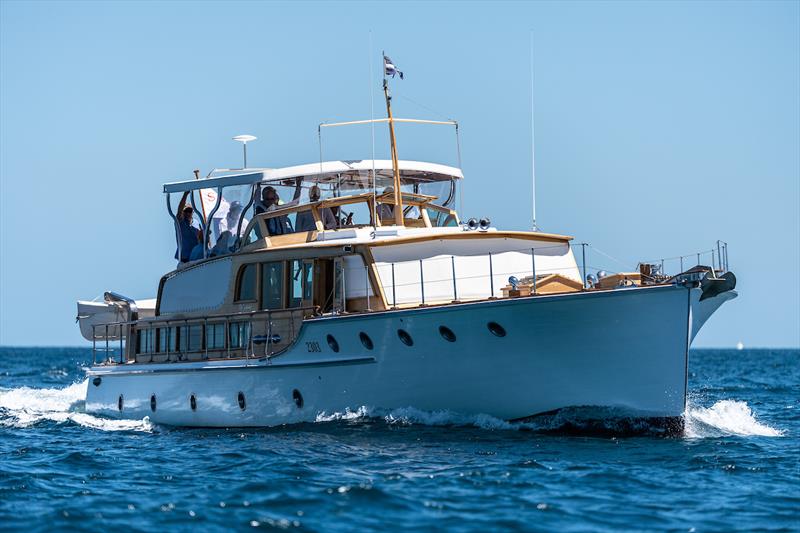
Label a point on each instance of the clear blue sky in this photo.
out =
(660, 127)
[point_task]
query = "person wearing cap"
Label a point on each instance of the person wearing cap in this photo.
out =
(231, 220)
(188, 234)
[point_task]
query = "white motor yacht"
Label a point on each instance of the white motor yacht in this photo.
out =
(367, 289)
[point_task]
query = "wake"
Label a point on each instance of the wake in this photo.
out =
(26, 407)
(723, 419)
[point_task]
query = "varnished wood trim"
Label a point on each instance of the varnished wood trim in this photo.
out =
(523, 235)
(377, 286)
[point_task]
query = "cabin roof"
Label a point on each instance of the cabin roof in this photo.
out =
(322, 171)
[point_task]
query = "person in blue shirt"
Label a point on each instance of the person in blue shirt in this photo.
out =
(188, 234)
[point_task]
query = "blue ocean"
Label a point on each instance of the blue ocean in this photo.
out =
(735, 468)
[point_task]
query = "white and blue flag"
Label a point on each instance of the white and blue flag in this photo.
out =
(389, 68)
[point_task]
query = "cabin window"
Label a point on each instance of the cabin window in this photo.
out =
(301, 282)
(240, 334)
(272, 285)
(215, 336)
(191, 338)
(145, 340)
(166, 340)
(296, 284)
(246, 288)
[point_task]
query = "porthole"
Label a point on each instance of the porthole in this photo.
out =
(153, 402)
(496, 329)
(366, 341)
(447, 334)
(333, 343)
(405, 337)
(97, 381)
(298, 398)
(193, 402)
(242, 403)
(120, 402)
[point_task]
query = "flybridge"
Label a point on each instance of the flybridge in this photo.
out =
(324, 172)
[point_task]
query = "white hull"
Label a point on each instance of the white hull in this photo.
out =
(624, 349)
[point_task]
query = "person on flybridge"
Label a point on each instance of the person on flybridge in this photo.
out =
(231, 220)
(189, 236)
(305, 219)
(227, 228)
(386, 211)
(270, 200)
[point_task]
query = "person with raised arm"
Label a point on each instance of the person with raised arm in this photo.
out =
(189, 236)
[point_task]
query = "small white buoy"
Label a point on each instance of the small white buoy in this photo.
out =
(740, 345)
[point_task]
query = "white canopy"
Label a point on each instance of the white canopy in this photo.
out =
(416, 170)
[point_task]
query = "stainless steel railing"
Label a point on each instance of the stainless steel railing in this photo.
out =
(424, 285)
(259, 329)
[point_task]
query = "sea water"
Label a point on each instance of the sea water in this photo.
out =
(736, 466)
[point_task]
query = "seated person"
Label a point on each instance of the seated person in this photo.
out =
(270, 201)
(385, 211)
(189, 236)
(231, 220)
(198, 252)
(305, 219)
(224, 244)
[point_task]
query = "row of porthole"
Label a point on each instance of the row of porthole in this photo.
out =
(447, 334)
(240, 399)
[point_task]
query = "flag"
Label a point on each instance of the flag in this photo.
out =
(389, 68)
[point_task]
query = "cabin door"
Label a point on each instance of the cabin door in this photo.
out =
(323, 285)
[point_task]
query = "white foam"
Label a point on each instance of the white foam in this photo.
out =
(726, 417)
(362, 413)
(412, 415)
(24, 406)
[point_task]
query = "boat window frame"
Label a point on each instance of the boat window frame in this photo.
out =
(215, 328)
(256, 283)
(146, 342)
(284, 277)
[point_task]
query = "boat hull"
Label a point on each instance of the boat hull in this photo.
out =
(623, 350)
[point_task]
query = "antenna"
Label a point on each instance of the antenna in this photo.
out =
(374, 214)
(244, 139)
(533, 149)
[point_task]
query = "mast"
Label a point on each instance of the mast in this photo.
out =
(398, 198)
